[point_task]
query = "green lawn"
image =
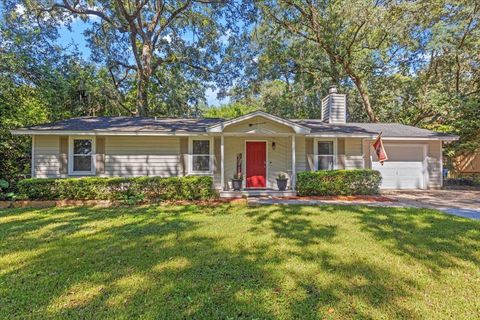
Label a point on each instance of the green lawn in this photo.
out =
(232, 261)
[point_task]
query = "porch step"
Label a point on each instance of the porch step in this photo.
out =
(257, 193)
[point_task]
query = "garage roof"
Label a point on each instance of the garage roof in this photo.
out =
(391, 130)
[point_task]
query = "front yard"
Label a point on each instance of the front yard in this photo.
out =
(234, 261)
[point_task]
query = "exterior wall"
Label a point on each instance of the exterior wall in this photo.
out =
(162, 156)
(349, 153)
(264, 126)
(353, 154)
(434, 159)
(47, 157)
(301, 154)
(142, 156)
(279, 160)
(309, 161)
(434, 164)
(217, 174)
(183, 158)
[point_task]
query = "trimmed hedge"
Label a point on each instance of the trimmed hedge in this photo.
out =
(338, 182)
(128, 189)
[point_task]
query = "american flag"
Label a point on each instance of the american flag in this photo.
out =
(380, 150)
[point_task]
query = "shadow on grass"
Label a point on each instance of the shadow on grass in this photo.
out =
(431, 238)
(165, 262)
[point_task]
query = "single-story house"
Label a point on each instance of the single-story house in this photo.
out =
(258, 145)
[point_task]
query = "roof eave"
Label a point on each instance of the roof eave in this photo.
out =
(30, 132)
(219, 127)
(374, 136)
(435, 138)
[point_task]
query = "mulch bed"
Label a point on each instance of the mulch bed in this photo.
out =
(469, 188)
(212, 202)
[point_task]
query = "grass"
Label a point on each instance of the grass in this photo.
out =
(232, 261)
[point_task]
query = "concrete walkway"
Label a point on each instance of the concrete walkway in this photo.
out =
(269, 201)
(462, 203)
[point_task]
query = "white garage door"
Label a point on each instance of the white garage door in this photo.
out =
(404, 169)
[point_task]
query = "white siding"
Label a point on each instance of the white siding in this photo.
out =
(353, 154)
(325, 109)
(217, 166)
(142, 156)
(259, 125)
(279, 160)
(301, 157)
(46, 156)
(338, 107)
(434, 164)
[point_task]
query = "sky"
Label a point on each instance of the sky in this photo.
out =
(74, 38)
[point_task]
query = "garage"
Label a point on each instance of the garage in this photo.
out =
(405, 168)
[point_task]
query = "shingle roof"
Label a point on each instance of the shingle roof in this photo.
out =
(388, 129)
(128, 124)
(163, 125)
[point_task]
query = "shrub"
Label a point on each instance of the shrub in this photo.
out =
(338, 182)
(469, 181)
(127, 189)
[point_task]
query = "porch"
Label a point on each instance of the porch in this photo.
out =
(259, 160)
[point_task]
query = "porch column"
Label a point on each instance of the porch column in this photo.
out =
(294, 165)
(222, 163)
(32, 174)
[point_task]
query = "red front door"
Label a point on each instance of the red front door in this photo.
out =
(256, 165)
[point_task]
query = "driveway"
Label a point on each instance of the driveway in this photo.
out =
(463, 203)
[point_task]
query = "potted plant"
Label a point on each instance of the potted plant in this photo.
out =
(282, 182)
(237, 182)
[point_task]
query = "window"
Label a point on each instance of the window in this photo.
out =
(325, 154)
(201, 158)
(81, 160)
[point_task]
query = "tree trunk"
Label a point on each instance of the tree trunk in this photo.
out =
(144, 74)
(364, 95)
(142, 98)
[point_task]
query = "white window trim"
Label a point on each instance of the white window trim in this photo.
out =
(315, 151)
(190, 156)
(70, 156)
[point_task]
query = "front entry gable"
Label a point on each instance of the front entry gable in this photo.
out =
(260, 123)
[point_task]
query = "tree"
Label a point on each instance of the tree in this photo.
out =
(355, 35)
(284, 75)
(40, 83)
(228, 111)
(142, 36)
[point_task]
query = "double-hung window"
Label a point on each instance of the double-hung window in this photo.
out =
(81, 156)
(325, 151)
(201, 156)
